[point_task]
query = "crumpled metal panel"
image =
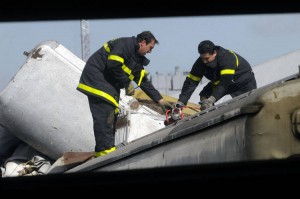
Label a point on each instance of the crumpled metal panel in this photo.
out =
(41, 105)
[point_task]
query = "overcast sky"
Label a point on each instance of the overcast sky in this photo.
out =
(258, 38)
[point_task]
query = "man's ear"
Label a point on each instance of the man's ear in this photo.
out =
(144, 43)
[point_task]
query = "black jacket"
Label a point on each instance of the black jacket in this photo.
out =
(232, 71)
(112, 68)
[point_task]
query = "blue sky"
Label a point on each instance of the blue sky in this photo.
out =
(257, 37)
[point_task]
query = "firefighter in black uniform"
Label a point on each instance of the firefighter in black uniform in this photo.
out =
(228, 72)
(109, 69)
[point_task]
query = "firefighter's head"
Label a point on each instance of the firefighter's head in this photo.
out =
(146, 41)
(207, 51)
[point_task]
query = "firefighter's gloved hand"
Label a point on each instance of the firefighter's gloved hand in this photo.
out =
(129, 90)
(179, 104)
(165, 106)
(207, 103)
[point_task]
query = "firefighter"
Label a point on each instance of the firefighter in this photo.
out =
(113, 67)
(228, 72)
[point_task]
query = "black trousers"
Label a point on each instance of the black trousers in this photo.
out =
(104, 123)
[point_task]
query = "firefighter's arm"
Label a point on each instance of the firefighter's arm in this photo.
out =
(149, 89)
(218, 92)
(190, 84)
(221, 89)
(153, 93)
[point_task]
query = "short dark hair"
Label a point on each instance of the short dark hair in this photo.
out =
(147, 36)
(206, 46)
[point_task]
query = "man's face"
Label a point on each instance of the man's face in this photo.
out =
(146, 48)
(209, 60)
(206, 57)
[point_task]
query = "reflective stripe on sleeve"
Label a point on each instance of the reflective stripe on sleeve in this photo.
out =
(193, 77)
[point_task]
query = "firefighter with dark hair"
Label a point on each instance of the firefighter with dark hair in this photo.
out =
(228, 72)
(111, 68)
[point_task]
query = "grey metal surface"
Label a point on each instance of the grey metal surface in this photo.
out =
(253, 126)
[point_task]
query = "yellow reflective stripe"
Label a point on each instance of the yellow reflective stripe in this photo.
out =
(107, 49)
(104, 152)
(227, 72)
(99, 93)
(126, 69)
(116, 58)
(193, 77)
(216, 82)
(116, 110)
(236, 58)
(131, 77)
(142, 76)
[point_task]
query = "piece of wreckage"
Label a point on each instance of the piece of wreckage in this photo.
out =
(54, 119)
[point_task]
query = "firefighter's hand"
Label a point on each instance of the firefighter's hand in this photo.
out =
(179, 104)
(165, 105)
(207, 103)
(129, 90)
